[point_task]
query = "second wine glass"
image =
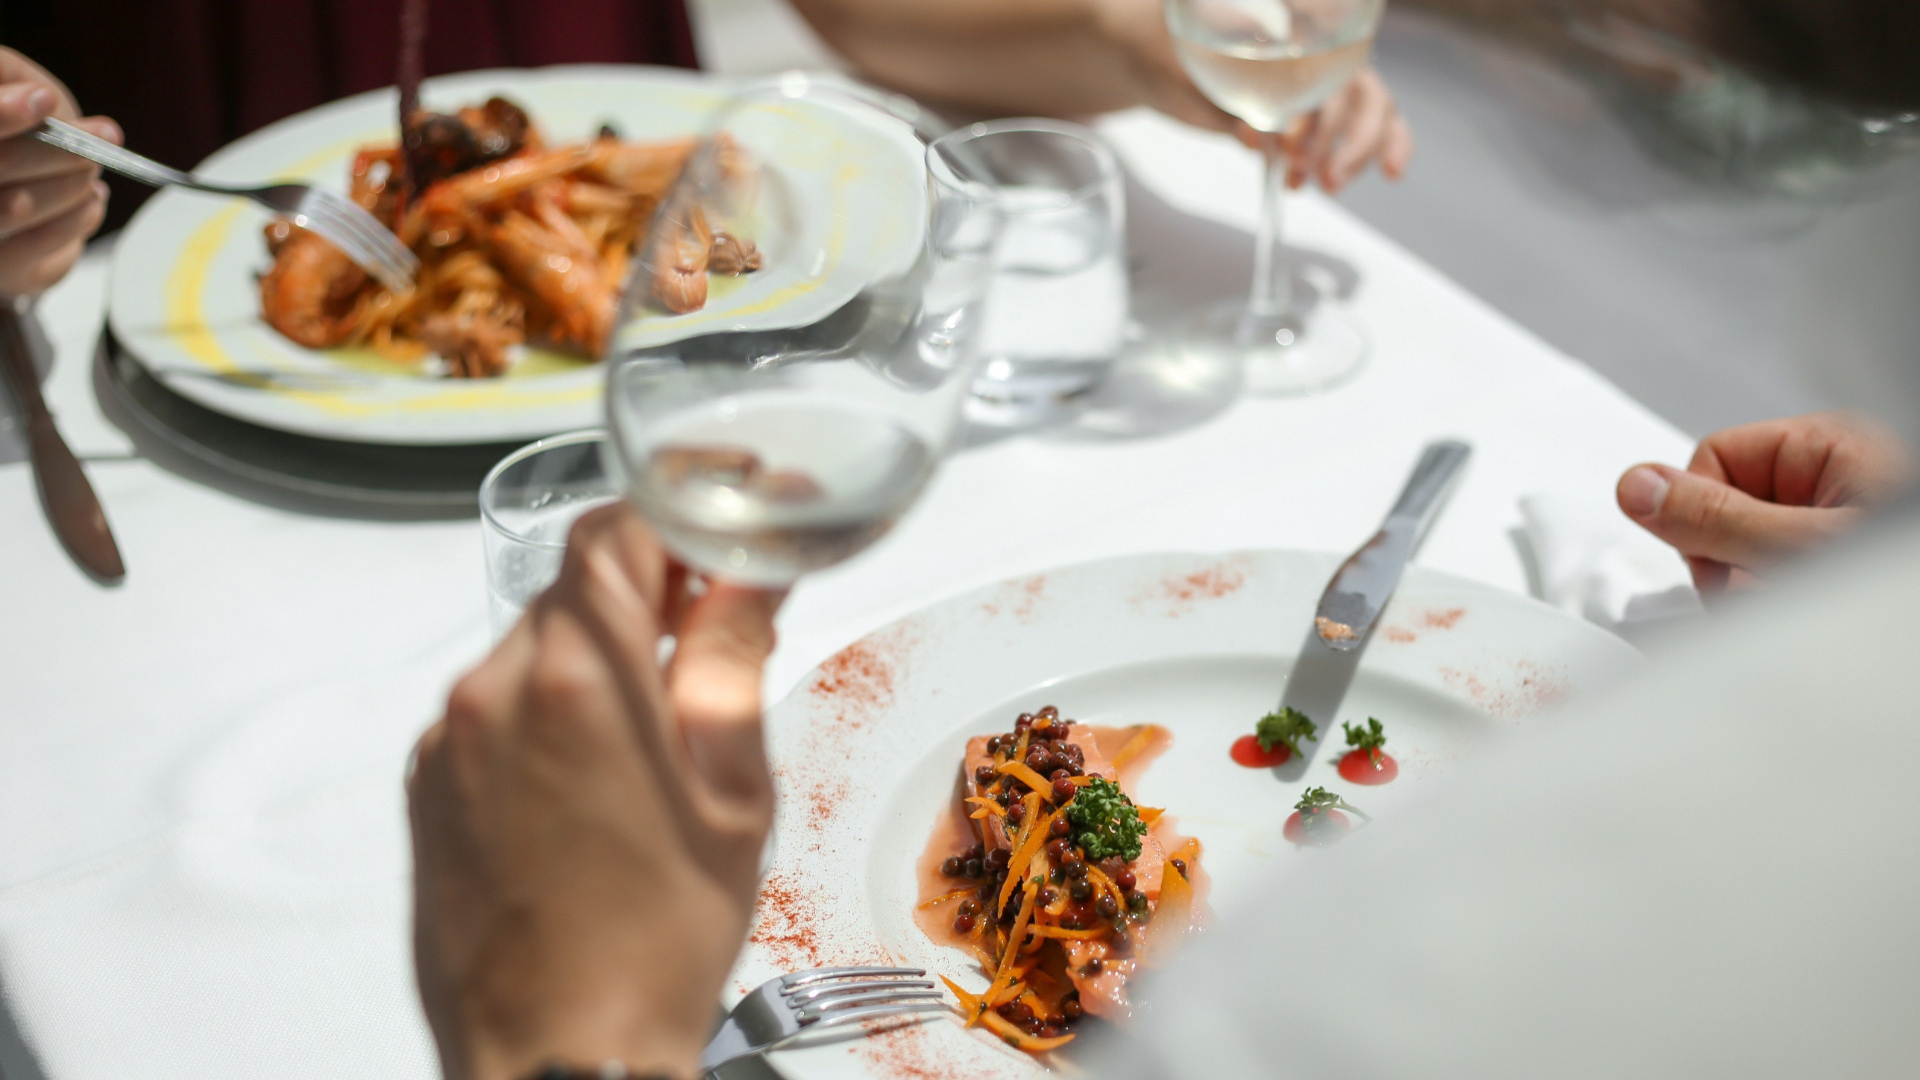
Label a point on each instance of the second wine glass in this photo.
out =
(788, 420)
(1269, 62)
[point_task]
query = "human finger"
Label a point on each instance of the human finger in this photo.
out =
(23, 158)
(1359, 141)
(1705, 519)
(1820, 459)
(24, 104)
(34, 260)
(35, 202)
(715, 684)
(1397, 152)
(616, 534)
(1297, 144)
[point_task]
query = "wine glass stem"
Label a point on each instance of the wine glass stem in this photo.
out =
(1272, 285)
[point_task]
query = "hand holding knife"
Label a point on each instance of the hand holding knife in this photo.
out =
(72, 507)
(1363, 584)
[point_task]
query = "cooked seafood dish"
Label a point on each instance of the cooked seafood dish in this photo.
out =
(1057, 884)
(519, 241)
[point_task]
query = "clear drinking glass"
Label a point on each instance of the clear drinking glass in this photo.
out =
(1056, 314)
(786, 426)
(527, 504)
(1268, 62)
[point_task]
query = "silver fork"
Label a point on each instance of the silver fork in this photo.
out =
(784, 1009)
(335, 218)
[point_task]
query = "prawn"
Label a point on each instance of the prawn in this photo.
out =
(495, 184)
(644, 169)
(679, 257)
(312, 293)
(574, 289)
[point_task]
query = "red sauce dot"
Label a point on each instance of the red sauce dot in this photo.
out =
(1246, 751)
(1335, 828)
(1359, 767)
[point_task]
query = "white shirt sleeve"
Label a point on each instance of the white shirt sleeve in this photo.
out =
(1715, 872)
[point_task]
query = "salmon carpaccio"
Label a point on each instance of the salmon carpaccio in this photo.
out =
(1085, 928)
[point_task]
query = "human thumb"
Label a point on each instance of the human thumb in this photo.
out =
(1708, 519)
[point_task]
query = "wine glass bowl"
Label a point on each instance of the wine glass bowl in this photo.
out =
(1269, 62)
(769, 445)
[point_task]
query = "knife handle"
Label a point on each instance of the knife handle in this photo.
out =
(1421, 498)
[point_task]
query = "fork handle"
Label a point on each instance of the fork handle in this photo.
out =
(85, 144)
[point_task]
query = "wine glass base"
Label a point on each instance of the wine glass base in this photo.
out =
(1299, 353)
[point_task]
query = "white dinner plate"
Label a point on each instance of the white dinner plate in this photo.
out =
(186, 304)
(867, 749)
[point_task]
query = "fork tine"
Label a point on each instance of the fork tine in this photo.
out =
(801, 978)
(360, 236)
(378, 239)
(803, 996)
(878, 1012)
(325, 223)
(865, 998)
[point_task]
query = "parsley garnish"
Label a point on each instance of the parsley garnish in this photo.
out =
(1287, 726)
(1317, 801)
(1370, 738)
(1105, 822)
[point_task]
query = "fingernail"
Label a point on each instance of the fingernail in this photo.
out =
(101, 190)
(41, 102)
(109, 131)
(1642, 492)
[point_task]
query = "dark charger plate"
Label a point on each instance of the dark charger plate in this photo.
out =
(297, 471)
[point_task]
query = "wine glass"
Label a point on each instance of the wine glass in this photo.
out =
(789, 421)
(1269, 62)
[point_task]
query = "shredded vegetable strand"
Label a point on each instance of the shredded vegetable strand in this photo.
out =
(1032, 838)
(1025, 774)
(1134, 746)
(1018, 1039)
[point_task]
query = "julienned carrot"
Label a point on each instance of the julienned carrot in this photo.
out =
(1019, 933)
(1021, 771)
(1173, 916)
(970, 1006)
(1008, 993)
(1102, 883)
(1064, 934)
(987, 806)
(1134, 746)
(944, 897)
(1014, 1037)
(1033, 835)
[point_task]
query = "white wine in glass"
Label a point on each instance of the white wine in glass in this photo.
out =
(776, 432)
(1268, 62)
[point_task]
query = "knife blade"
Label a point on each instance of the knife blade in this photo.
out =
(72, 507)
(1362, 585)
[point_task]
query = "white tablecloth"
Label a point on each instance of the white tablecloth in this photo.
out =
(203, 861)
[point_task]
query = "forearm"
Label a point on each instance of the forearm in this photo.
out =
(1058, 57)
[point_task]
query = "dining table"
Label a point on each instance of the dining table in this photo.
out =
(204, 860)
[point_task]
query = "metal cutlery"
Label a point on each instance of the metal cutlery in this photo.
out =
(72, 507)
(337, 219)
(1362, 585)
(784, 1009)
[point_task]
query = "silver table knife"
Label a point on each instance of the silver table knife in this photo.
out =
(1363, 583)
(72, 508)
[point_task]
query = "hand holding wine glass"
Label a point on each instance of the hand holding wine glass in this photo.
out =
(1268, 62)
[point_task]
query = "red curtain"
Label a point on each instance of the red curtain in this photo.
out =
(184, 77)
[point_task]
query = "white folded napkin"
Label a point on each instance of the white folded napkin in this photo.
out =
(1595, 563)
